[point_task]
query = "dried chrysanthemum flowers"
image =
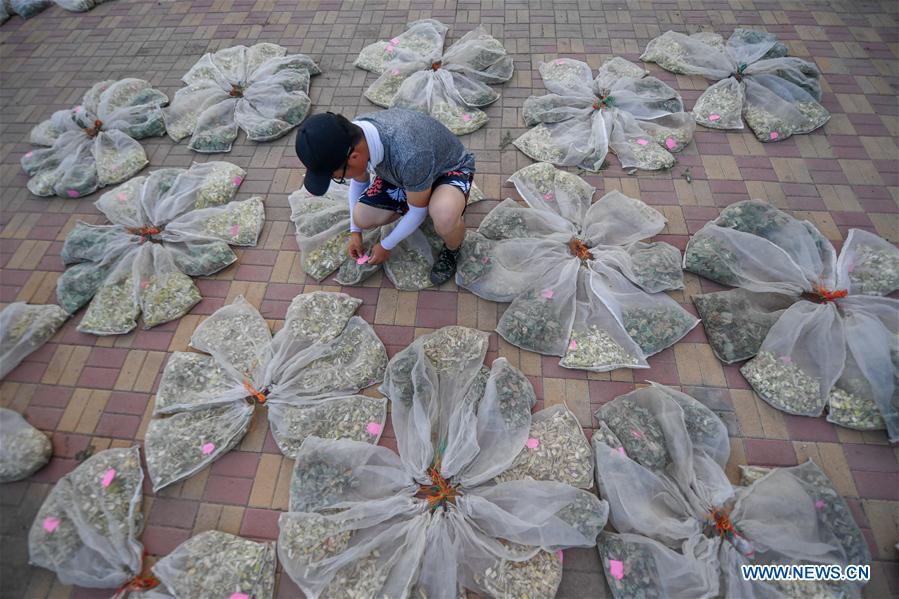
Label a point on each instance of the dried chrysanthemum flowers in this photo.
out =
(447, 511)
(581, 283)
(305, 375)
(641, 120)
(755, 79)
(167, 227)
(684, 530)
(94, 144)
(816, 323)
(260, 89)
(24, 328)
(415, 73)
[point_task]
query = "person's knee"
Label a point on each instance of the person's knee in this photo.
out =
(446, 221)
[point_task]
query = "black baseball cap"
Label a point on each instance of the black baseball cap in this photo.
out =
(323, 145)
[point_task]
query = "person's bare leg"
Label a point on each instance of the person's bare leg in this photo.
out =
(368, 217)
(445, 210)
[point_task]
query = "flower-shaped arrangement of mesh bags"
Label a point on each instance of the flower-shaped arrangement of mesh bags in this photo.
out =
(215, 565)
(582, 284)
(684, 530)
(816, 324)
(94, 144)
(24, 328)
(366, 522)
(778, 95)
(450, 86)
(28, 8)
(641, 120)
(323, 229)
(306, 374)
(86, 531)
(167, 227)
(260, 89)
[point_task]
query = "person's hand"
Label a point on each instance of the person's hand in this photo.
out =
(354, 246)
(379, 255)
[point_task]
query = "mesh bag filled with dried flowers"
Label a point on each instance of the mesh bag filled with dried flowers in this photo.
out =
(640, 119)
(816, 323)
(306, 375)
(366, 521)
(415, 73)
(776, 94)
(581, 282)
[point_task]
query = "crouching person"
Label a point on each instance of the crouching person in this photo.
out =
(419, 168)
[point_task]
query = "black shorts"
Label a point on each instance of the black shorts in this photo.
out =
(383, 195)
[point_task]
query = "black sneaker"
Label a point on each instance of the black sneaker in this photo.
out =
(444, 267)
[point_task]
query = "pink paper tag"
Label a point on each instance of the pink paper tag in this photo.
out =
(51, 524)
(548, 196)
(642, 142)
(108, 477)
(560, 555)
(122, 197)
(714, 117)
(774, 135)
(559, 61)
(670, 143)
(819, 504)
(466, 117)
(208, 448)
(573, 345)
(29, 154)
(78, 109)
(395, 72)
(786, 359)
(72, 193)
(237, 180)
(616, 569)
(547, 293)
(389, 49)
(144, 284)
(239, 596)
(533, 443)
(621, 451)
(395, 40)
(363, 259)
(485, 260)
(373, 428)
(234, 230)
(636, 434)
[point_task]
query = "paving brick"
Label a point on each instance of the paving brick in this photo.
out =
(227, 489)
(886, 515)
(877, 485)
(769, 452)
(123, 426)
(176, 513)
(810, 429)
(236, 463)
(121, 402)
(260, 524)
(162, 540)
(871, 458)
(265, 480)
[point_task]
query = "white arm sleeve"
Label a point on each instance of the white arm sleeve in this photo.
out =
(356, 189)
(405, 226)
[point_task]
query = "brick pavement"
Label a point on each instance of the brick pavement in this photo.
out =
(86, 390)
